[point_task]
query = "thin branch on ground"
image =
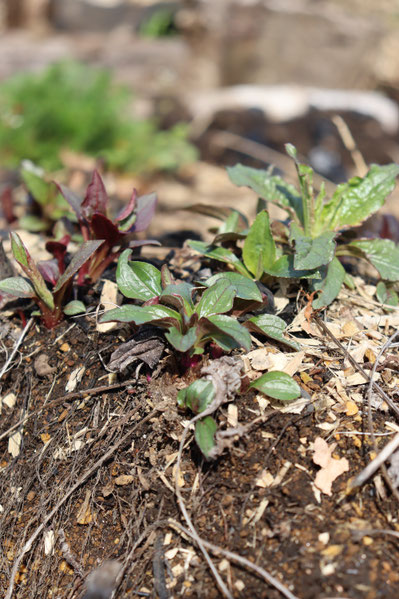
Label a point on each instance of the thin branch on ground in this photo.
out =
(67, 397)
(15, 348)
(187, 518)
(379, 461)
(357, 366)
(238, 559)
(85, 476)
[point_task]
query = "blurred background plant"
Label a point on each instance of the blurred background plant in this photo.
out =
(70, 105)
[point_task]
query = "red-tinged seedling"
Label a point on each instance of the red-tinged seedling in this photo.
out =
(117, 234)
(51, 301)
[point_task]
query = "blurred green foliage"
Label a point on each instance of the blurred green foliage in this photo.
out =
(73, 106)
(161, 23)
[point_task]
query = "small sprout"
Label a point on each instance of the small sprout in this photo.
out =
(50, 302)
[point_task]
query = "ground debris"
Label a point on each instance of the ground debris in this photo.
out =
(144, 346)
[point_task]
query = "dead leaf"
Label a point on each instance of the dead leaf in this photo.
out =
(259, 359)
(8, 400)
(109, 299)
(14, 444)
(330, 468)
(144, 346)
(74, 378)
(265, 479)
(42, 366)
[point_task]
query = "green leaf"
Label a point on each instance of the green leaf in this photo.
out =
(354, 201)
(40, 189)
(383, 255)
(312, 253)
(232, 224)
(32, 223)
(349, 282)
(178, 295)
(269, 187)
(159, 315)
(386, 294)
(272, 326)
(198, 396)
(84, 253)
(245, 288)
(29, 267)
(205, 434)
(137, 280)
(259, 251)
(18, 287)
(217, 299)
(219, 253)
(277, 385)
(227, 332)
(179, 341)
(74, 307)
(284, 267)
(332, 278)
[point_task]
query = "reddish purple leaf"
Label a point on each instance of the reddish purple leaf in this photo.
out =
(73, 200)
(58, 249)
(96, 197)
(127, 210)
(145, 211)
(49, 270)
(83, 254)
(105, 229)
(7, 205)
(136, 243)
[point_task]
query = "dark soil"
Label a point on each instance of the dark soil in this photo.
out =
(310, 546)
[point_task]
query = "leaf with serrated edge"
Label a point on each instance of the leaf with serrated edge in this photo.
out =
(383, 255)
(353, 202)
(205, 434)
(278, 385)
(312, 253)
(330, 285)
(268, 186)
(284, 267)
(137, 280)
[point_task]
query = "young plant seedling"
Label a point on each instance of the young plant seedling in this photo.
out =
(91, 214)
(51, 303)
(309, 244)
(199, 397)
(192, 316)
